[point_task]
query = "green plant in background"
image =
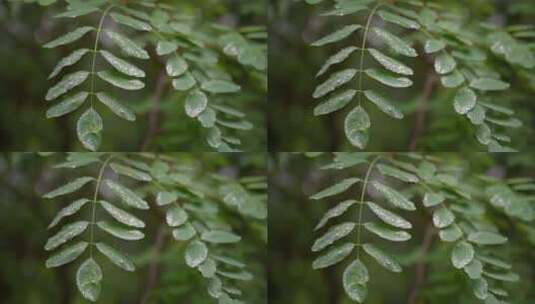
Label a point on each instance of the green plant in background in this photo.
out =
(461, 204)
(194, 203)
(471, 57)
(191, 47)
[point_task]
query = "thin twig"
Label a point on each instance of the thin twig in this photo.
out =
(421, 267)
(422, 110)
(154, 267)
(154, 114)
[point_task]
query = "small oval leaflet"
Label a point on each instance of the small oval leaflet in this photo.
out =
(386, 233)
(88, 278)
(130, 172)
(388, 78)
(165, 47)
(434, 45)
(383, 104)
(116, 107)
(338, 35)
(339, 57)
(66, 233)
(175, 216)
(356, 125)
(165, 197)
(336, 189)
(131, 22)
(184, 82)
(335, 103)
(462, 255)
(196, 253)
(382, 258)
(120, 82)
(354, 279)
(125, 234)
(121, 65)
(195, 103)
(128, 196)
(452, 80)
(69, 60)
(128, 46)
(177, 66)
(70, 187)
(220, 237)
(334, 81)
(336, 211)
(69, 210)
(69, 37)
(398, 45)
(389, 217)
(489, 84)
(486, 238)
(184, 233)
(450, 234)
(397, 173)
(68, 105)
(66, 255)
(334, 234)
(219, 86)
(208, 268)
(443, 217)
(394, 197)
(122, 216)
(390, 64)
(333, 256)
(88, 129)
(399, 20)
(465, 100)
(116, 257)
(67, 83)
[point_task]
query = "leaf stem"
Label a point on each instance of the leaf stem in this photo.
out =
(361, 202)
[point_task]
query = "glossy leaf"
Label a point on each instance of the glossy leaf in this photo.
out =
(116, 257)
(399, 20)
(486, 238)
(386, 233)
(184, 233)
(196, 103)
(220, 237)
(116, 107)
(122, 216)
(66, 233)
(196, 253)
(443, 217)
(338, 35)
(333, 256)
(394, 197)
(465, 100)
(336, 188)
(184, 82)
(88, 129)
(489, 84)
(383, 104)
(175, 216)
(339, 57)
(68, 211)
(389, 217)
(122, 233)
(66, 255)
(334, 234)
(382, 258)
(388, 79)
(474, 269)
(131, 22)
(335, 103)
(165, 47)
(356, 122)
(444, 63)
(220, 86)
(128, 196)
(462, 255)
(70, 187)
(452, 80)
(67, 83)
(165, 197)
(397, 173)
(128, 46)
(177, 66)
(434, 45)
(354, 279)
(506, 277)
(450, 234)
(397, 44)
(69, 60)
(69, 37)
(333, 82)
(68, 105)
(121, 65)
(88, 278)
(130, 172)
(120, 82)
(334, 212)
(391, 64)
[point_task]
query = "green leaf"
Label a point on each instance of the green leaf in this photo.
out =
(462, 255)
(122, 233)
(131, 172)
(70, 187)
(474, 269)
(452, 80)
(68, 211)
(356, 124)
(494, 261)
(506, 277)
(336, 188)
(175, 216)
(335, 103)
(386, 233)
(509, 123)
(184, 233)
(481, 289)
(128, 196)
(477, 115)
(164, 198)
(334, 81)
(383, 104)
(68, 105)
(444, 63)
(177, 66)
(338, 35)
(88, 278)
(207, 118)
(128, 46)
(389, 217)
(391, 64)
(220, 86)
(339, 57)
(489, 84)
(220, 237)
(397, 173)
(336, 211)
(184, 82)
(242, 275)
(66, 233)
(121, 65)
(165, 47)
(67, 83)
(354, 279)
(334, 234)
(66, 255)
(399, 20)
(69, 37)
(116, 107)
(228, 261)
(434, 45)
(394, 197)
(483, 134)
(388, 78)
(120, 82)
(196, 103)
(443, 217)
(333, 256)
(465, 100)
(116, 257)
(122, 216)
(486, 238)
(88, 129)
(196, 253)
(131, 22)
(450, 234)
(398, 45)
(77, 12)
(382, 258)
(69, 60)
(208, 268)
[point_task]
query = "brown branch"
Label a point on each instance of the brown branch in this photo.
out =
(422, 110)
(154, 114)
(154, 267)
(421, 267)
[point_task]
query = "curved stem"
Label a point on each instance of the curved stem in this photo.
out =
(94, 203)
(95, 49)
(363, 47)
(361, 202)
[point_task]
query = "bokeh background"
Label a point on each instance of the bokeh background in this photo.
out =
(292, 217)
(294, 24)
(25, 66)
(25, 177)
